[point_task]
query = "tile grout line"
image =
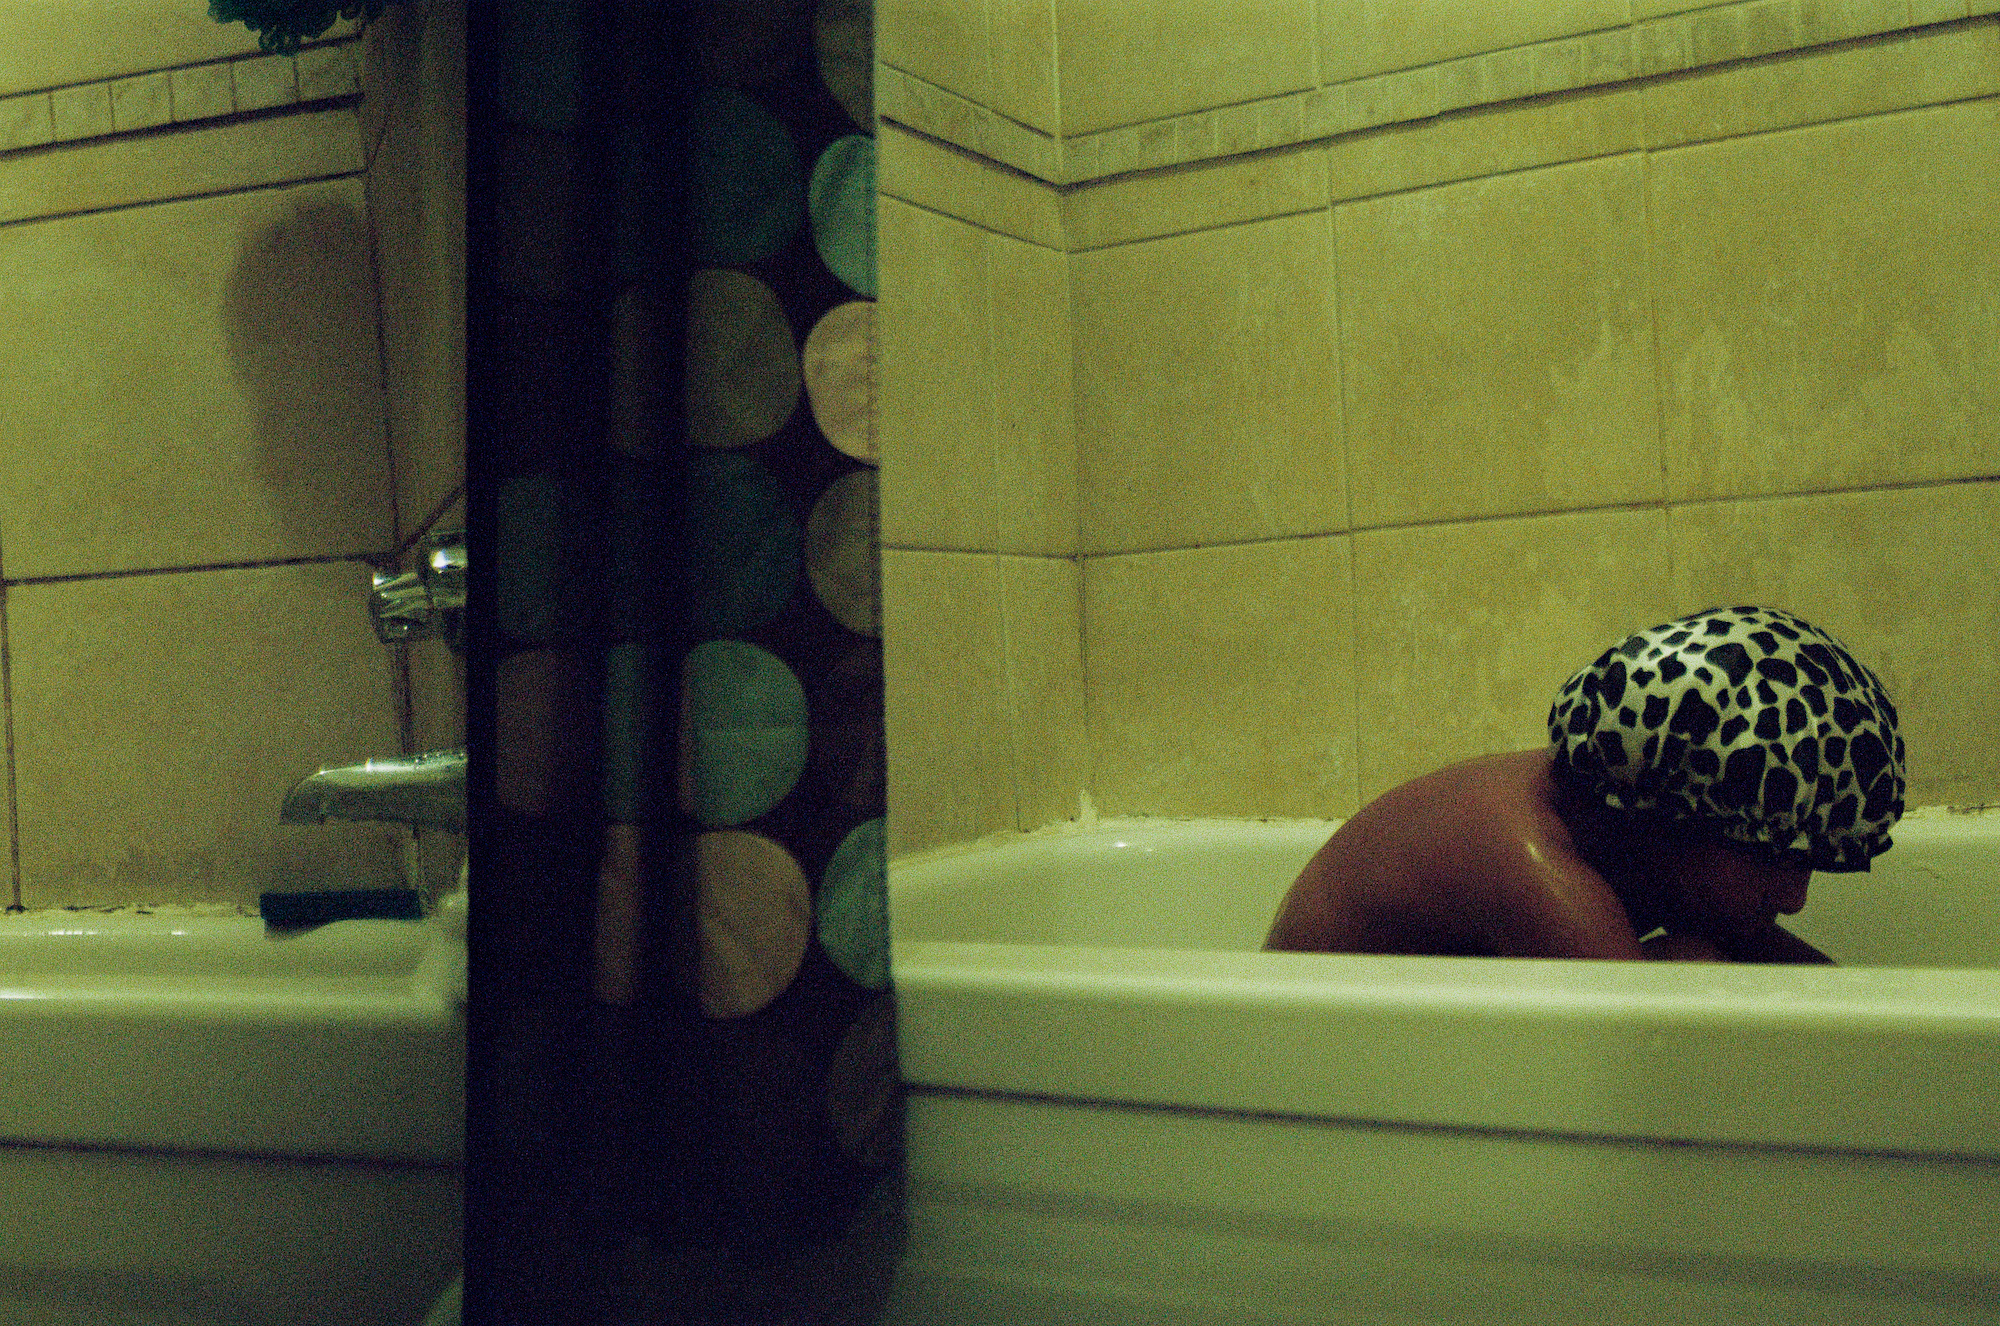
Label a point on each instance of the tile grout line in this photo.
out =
(1649, 504)
(326, 559)
(7, 720)
(300, 182)
(1008, 676)
(1650, 237)
(401, 689)
(1347, 491)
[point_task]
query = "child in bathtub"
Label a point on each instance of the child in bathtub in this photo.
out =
(1698, 773)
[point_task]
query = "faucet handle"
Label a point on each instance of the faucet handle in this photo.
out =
(426, 602)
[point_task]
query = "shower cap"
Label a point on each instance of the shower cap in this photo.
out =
(1747, 720)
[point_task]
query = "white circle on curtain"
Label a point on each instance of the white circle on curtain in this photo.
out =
(854, 907)
(841, 201)
(839, 367)
(862, 1090)
(842, 559)
(844, 40)
(755, 918)
(742, 369)
(743, 732)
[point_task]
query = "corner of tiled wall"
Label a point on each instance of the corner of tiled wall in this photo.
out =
(982, 593)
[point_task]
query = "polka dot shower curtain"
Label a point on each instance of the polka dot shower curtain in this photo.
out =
(688, 637)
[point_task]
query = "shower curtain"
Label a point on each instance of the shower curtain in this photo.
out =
(684, 1101)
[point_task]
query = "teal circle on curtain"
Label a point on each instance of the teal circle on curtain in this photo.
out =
(854, 908)
(743, 732)
(747, 199)
(841, 199)
(743, 549)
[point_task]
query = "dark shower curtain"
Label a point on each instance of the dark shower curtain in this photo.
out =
(682, 1084)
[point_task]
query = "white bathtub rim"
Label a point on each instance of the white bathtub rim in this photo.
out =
(1887, 1059)
(1143, 832)
(212, 1034)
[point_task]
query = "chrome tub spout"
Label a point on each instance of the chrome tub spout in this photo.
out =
(424, 791)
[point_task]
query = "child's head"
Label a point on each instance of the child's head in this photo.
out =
(1745, 726)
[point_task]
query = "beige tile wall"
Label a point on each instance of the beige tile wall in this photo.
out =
(1577, 363)
(202, 458)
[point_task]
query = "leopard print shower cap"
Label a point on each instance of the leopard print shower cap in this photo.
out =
(1747, 720)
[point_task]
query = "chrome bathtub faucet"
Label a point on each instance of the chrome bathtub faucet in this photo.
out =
(427, 602)
(424, 791)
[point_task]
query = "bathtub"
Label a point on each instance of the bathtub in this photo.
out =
(204, 1123)
(1119, 1111)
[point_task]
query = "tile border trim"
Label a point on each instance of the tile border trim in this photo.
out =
(1649, 48)
(183, 94)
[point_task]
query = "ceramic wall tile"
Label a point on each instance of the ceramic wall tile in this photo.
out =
(1487, 141)
(150, 167)
(944, 179)
(1497, 346)
(1362, 37)
(1410, 94)
(1825, 304)
(1024, 61)
(947, 704)
(935, 360)
(265, 81)
(1914, 69)
(1907, 578)
(1839, 20)
(143, 102)
(1208, 390)
(1465, 632)
(262, 674)
(416, 188)
(81, 112)
(1219, 681)
(1028, 150)
(201, 92)
(1195, 197)
(1042, 604)
(191, 384)
(44, 46)
(1120, 63)
(437, 695)
(26, 121)
(327, 71)
(1034, 419)
(944, 42)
